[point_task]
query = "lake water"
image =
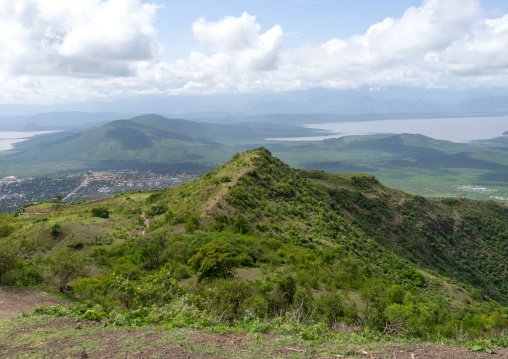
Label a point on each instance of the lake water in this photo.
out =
(457, 129)
(7, 139)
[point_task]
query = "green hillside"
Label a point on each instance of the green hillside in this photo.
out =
(414, 163)
(258, 246)
(117, 145)
(149, 142)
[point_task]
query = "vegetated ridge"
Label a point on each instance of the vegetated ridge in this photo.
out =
(257, 245)
(410, 162)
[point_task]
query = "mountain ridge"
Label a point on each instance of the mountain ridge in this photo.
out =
(255, 242)
(387, 216)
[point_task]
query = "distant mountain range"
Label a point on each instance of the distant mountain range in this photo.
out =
(391, 100)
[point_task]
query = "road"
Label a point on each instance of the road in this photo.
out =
(82, 184)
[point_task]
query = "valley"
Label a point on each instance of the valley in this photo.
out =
(410, 162)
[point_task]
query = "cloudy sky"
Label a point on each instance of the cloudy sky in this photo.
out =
(64, 51)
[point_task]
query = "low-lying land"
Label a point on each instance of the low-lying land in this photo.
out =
(412, 163)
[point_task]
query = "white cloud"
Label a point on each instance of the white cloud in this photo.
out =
(78, 38)
(440, 43)
(69, 50)
(390, 49)
(239, 39)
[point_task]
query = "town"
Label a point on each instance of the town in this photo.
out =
(70, 188)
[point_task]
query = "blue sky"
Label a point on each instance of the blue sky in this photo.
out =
(303, 21)
(55, 52)
(313, 21)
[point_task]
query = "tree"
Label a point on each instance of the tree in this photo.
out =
(55, 229)
(67, 265)
(13, 251)
(214, 260)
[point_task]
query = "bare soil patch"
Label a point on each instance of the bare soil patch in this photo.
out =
(14, 301)
(436, 351)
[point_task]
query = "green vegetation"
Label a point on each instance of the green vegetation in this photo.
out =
(413, 163)
(257, 246)
(101, 212)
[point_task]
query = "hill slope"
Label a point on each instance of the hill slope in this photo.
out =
(255, 240)
(120, 144)
(459, 238)
(144, 142)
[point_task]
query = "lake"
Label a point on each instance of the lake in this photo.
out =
(8, 138)
(457, 129)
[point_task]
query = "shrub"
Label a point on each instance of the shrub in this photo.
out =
(101, 212)
(76, 245)
(214, 260)
(55, 229)
(156, 210)
(226, 298)
(192, 224)
(6, 230)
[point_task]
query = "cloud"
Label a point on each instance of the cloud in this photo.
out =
(440, 43)
(389, 49)
(79, 38)
(74, 50)
(238, 38)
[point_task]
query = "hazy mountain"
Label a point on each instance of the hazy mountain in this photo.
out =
(322, 101)
(58, 121)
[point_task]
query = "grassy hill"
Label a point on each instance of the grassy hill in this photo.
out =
(118, 145)
(413, 163)
(148, 142)
(257, 246)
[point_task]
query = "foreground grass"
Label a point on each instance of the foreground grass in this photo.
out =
(36, 336)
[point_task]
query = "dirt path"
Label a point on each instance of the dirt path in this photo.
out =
(146, 221)
(14, 301)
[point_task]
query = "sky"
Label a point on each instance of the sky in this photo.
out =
(71, 51)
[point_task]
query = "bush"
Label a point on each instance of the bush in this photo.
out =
(279, 291)
(226, 298)
(6, 230)
(76, 245)
(192, 224)
(214, 260)
(14, 251)
(55, 229)
(156, 210)
(101, 212)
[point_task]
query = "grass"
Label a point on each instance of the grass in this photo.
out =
(248, 273)
(36, 336)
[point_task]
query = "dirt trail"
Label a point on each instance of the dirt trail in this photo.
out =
(146, 221)
(14, 301)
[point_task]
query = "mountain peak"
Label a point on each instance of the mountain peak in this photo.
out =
(256, 193)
